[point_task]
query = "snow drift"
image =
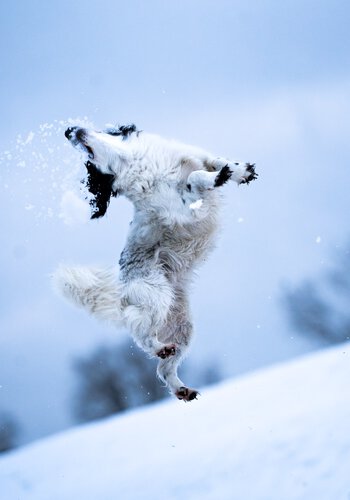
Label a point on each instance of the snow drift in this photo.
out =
(278, 434)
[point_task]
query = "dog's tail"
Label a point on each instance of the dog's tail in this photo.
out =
(96, 290)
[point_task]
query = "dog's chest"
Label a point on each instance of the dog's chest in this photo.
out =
(174, 251)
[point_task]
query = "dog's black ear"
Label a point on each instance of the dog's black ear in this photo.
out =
(123, 130)
(100, 186)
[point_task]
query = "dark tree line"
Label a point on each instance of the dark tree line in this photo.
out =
(8, 432)
(320, 307)
(114, 378)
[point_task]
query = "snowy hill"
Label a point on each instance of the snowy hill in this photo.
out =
(278, 434)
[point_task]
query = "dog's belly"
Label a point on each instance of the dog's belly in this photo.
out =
(180, 250)
(174, 251)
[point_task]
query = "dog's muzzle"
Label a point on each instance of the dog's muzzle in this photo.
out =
(78, 138)
(70, 132)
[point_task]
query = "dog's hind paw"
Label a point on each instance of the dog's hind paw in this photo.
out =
(186, 394)
(167, 351)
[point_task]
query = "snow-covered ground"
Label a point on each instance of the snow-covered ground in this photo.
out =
(282, 433)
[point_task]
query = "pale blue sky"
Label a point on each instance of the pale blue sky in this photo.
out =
(69, 58)
(260, 81)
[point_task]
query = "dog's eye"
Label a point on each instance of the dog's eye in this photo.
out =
(123, 130)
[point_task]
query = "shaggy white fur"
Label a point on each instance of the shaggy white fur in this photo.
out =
(175, 192)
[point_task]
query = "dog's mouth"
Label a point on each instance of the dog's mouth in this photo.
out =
(88, 150)
(78, 138)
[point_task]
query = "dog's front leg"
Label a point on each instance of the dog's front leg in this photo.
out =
(240, 172)
(200, 181)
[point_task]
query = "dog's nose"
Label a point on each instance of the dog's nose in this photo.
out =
(68, 132)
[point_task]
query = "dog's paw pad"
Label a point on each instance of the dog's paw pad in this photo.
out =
(167, 351)
(186, 394)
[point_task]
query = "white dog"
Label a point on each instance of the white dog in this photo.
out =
(175, 192)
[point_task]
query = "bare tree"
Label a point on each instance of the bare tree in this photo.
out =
(321, 307)
(114, 378)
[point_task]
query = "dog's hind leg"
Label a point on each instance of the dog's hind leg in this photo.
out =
(178, 329)
(146, 302)
(167, 372)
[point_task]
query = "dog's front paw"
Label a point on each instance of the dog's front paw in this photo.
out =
(240, 172)
(249, 174)
(186, 394)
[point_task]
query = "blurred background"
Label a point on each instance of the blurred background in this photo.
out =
(266, 82)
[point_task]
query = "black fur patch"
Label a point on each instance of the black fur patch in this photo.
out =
(124, 130)
(100, 186)
(223, 176)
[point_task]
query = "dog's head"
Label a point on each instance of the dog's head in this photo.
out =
(105, 152)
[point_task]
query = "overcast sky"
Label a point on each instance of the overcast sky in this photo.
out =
(267, 82)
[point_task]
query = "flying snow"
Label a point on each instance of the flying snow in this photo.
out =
(73, 209)
(42, 170)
